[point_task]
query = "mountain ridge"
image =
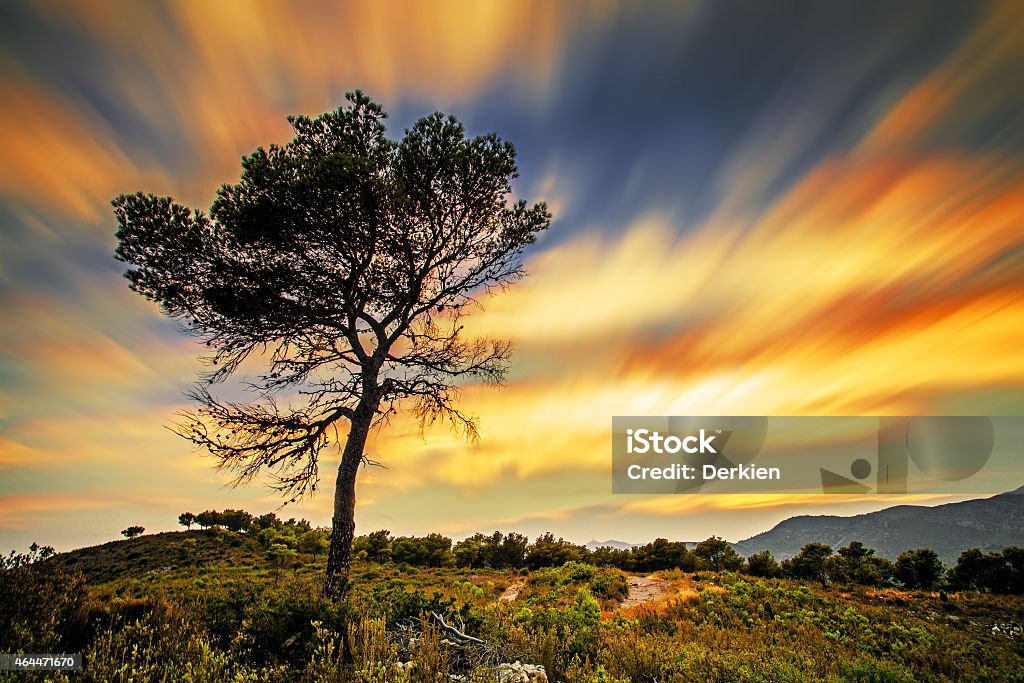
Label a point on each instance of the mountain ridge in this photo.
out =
(988, 523)
(611, 543)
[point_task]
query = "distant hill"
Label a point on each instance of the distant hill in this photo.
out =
(617, 545)
(986, 523)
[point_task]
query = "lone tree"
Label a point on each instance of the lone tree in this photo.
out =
(133, 531)
(343, 264)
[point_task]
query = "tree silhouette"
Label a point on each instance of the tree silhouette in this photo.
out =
(133, 531)
(236, 520)
(186, 519)
(343, 263)
(207, 519)
(548, 552)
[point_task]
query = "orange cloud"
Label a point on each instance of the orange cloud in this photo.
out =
(14, 454)
(93, 351)
(17, 511)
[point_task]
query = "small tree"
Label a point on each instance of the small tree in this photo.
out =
(856, 563)
(500, 551)
(375, 546)
(810, 563)
(345, 262)
(548, 552)
(314, 542)
(133, 531)
(280, 556)
(283, 534)
(763, 564)
(208, 518)
(435, 550)
(718, 554)
(266, 521)
(614, 557)
(1014, 558)
(467, 551)
(236, 520)
(980, 571)
(920, 568)
(186, 519)
(660, 553)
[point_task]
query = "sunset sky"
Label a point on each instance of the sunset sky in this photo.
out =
(760, 208)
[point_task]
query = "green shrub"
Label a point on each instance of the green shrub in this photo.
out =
(610, 584)
(161, 646)
(43, 606)
(868, 671)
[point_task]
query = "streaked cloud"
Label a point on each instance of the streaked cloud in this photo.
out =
(970, 97)
(209, 82)
(887, 325)
(56, 153)
(751, 221)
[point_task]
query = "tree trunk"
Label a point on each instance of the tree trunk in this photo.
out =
(339, 555)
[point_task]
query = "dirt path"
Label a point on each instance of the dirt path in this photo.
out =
(643, 589)
(512, 592)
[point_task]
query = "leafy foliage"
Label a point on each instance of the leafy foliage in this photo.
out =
(810, 563)
(763, 564)
(990, 572)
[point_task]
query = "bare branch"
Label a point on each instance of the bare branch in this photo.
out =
(248, 439)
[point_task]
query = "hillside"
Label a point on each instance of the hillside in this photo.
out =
(986, 523)
(155, 553)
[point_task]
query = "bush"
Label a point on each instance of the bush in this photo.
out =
(161, 646)
(610, 584)
(763, 564)
(44, 606)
